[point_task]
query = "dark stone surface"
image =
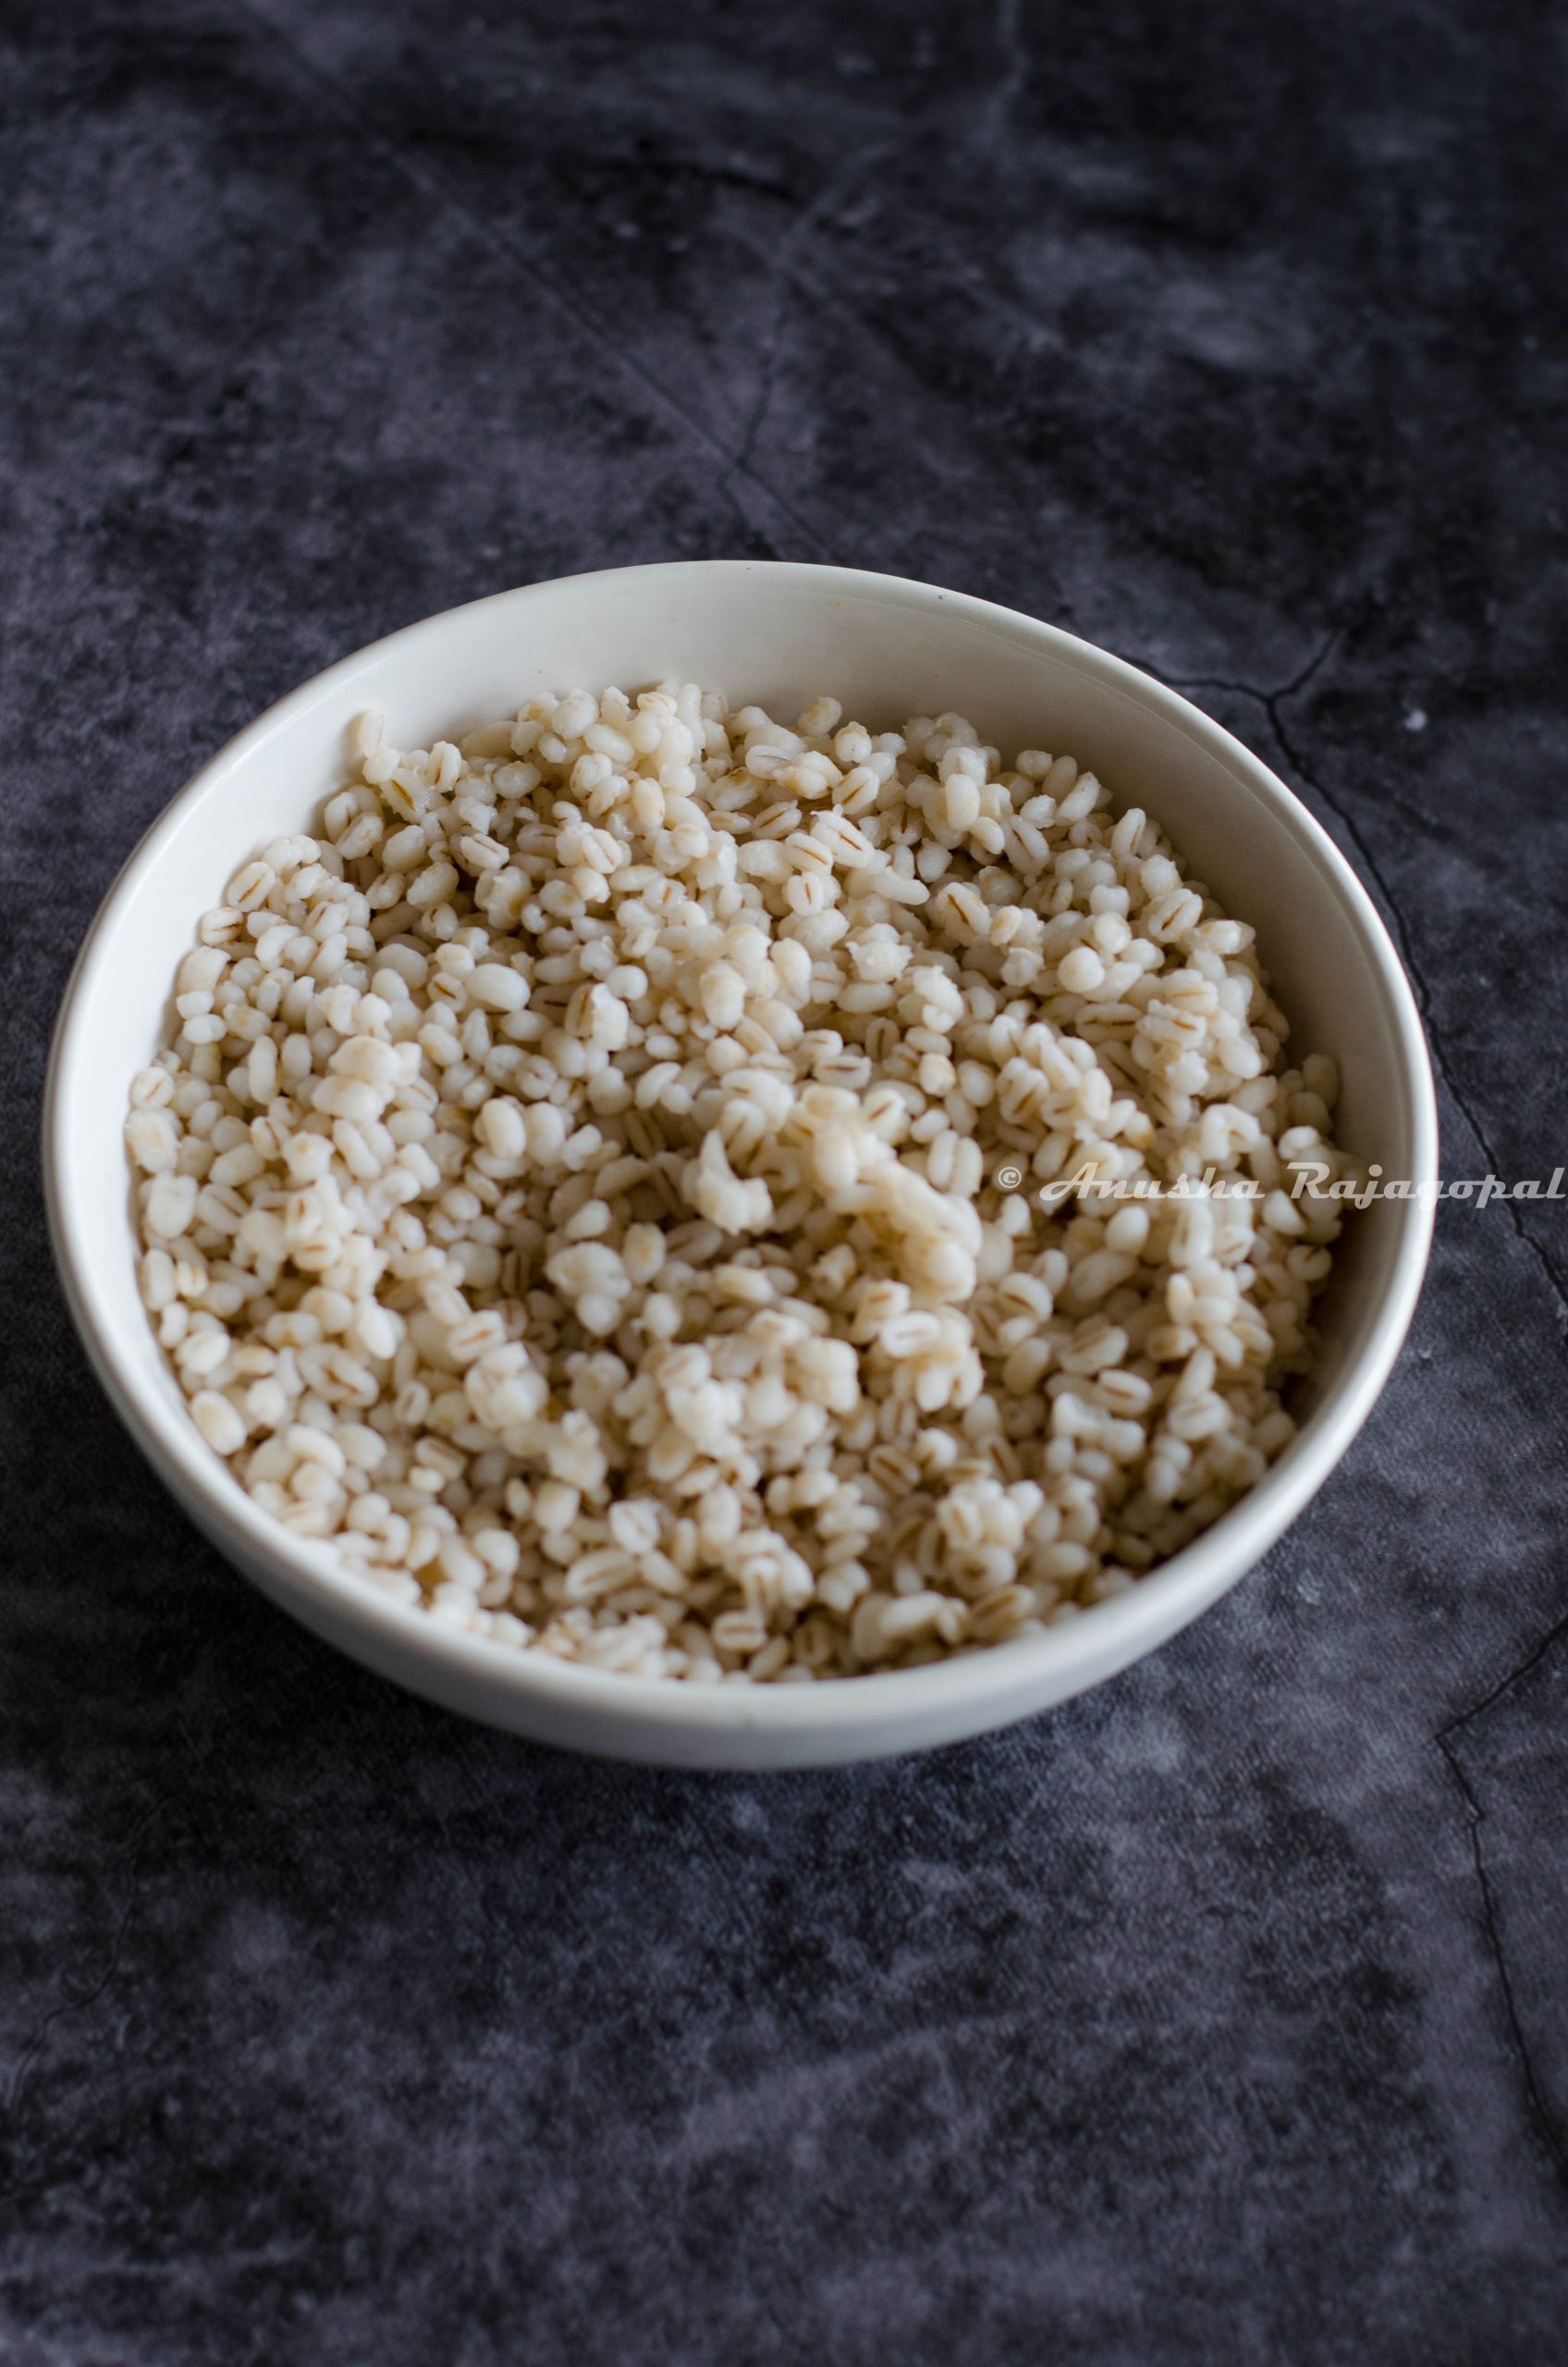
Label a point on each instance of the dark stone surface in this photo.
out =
(1218, 2016)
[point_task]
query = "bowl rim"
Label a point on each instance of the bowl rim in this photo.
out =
(1107, 1636)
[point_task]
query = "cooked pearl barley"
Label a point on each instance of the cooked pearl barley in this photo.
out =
(597, 1136)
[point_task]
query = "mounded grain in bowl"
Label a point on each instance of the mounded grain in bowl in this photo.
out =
(601, 1181)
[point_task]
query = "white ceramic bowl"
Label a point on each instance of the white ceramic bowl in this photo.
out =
(777, 633)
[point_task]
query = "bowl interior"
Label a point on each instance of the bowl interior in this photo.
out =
(781, 635)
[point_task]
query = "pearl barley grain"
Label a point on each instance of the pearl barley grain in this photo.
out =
(597, 1134)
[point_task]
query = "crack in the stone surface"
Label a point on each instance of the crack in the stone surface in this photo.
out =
(1270, 702)
(831, 193)
(1543, 2120)
(1532, 1659)
(1423, 992)
(1540, 2114)
(434, 187)
(1243, 690)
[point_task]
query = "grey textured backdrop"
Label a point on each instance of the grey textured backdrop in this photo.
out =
(1218, 2016)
